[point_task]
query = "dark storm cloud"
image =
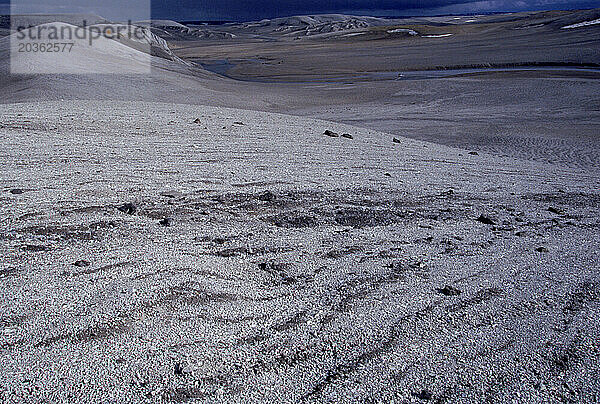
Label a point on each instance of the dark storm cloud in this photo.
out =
(256, 9)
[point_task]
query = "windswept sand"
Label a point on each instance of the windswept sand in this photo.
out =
(296, 266)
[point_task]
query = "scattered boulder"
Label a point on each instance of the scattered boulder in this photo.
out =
(541, 249)
(197, 120)
(266, 196)
(167, 221)
(387, 174)
(556, 210)
(347, 136)
(449, 291)
(238, 123)
(81, 263)
(178, 370)
(16, 191)
(473, 153)
(424, 395)
(396, 140)
(485, 220)
(128, 208)
(330, 133)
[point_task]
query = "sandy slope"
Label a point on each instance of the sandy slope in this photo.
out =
(98, 56)
(296, 266)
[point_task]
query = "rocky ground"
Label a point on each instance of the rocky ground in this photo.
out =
(162, 252)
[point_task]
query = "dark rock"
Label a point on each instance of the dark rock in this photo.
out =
(541, 249)
(197, 120)
(387, 174)
(330, 133)
(238, 123)
(171, 194)
(266, 196)
(423, 395)
(128, 208)
(555, 210)
(81, 263)
(16, 191)
(396, 140)
(347, 136)
(473, 153)
(449, 291)
(178, 369)
(485, 220)
(167, 221)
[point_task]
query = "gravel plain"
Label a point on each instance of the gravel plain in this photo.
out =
(292, 266)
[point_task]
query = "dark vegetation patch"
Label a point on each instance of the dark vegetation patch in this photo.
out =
(481, 296)
(104, 268)
(11, 321)
(85, 232)
(9, 271)
(576, 301)
(574, 199)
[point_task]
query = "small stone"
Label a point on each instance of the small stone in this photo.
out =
(16, 191)
(423, 395)
(396, 140)
(178, 369)
(387, 174)
(449, 291)
(266, 196)
(541, 249)
(347, 136)
(167, 221)
(555, 210)
(238, 123)
(330, 133)
(197, 120)
(485, 220)
(81, 263)
(473, 153)
(128, 208)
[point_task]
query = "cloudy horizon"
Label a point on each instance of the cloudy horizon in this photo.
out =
(235, 10)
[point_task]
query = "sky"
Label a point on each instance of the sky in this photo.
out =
(245, 10)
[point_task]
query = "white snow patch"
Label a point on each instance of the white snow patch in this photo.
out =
(397, 30)
(437, 36)
(582, 24)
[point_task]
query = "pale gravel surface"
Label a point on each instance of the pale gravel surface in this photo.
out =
(323, 289)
